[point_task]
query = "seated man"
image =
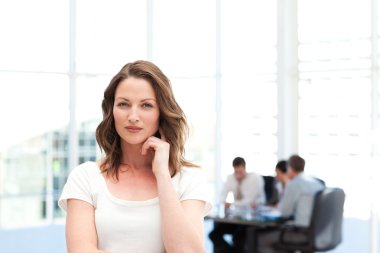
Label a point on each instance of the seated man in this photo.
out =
(247, 189)
(297, 202)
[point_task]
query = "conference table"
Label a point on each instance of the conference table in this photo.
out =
(254, 220)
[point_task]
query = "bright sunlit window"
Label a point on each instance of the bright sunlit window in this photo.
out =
(335, 97)
(249, 90)
(335, 86)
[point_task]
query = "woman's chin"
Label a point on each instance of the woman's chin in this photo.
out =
(135, 141)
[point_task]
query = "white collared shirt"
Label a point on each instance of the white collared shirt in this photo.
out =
(252, 189)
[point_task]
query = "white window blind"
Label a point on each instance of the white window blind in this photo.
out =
(335, 96)
(249, 90)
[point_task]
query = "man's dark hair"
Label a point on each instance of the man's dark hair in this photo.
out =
(238, 161)
(282, 166)
(297, 163)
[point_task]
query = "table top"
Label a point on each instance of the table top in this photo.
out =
(257, 219)
(249, 222)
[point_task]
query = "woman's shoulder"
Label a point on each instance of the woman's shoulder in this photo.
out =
(89, 165)
(192, 185)
(82, 184)
(187, 175)
(86, 169)
(190, 171)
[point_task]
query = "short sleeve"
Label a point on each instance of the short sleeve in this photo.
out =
(194, 186)
(77, 186)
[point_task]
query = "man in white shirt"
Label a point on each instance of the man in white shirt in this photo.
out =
(248, 190)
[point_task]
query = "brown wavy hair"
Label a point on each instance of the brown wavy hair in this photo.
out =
(172, 119)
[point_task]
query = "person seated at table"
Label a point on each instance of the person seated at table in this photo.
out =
(281, 177)
(247, 189)
(297, 202)
(275, 186)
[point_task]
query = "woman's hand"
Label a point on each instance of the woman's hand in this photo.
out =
(161, 148)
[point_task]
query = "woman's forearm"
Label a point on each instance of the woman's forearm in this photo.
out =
(88, 249)
(179, 234)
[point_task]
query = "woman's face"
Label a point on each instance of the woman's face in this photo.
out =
(280, 176)
(135, 110)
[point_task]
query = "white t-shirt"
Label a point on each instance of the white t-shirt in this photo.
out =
(125, 226)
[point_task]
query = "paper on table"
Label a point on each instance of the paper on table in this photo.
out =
(271, 213)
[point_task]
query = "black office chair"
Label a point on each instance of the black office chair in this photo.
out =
(325, 231)
(271, 193)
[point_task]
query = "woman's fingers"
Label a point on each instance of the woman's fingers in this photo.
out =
(147, 145)
(152, 142)
(161, 148)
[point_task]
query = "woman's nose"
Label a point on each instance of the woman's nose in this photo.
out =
(133, 116)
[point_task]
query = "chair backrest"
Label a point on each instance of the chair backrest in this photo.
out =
(271, 193)
(327, 218)
(320, 180)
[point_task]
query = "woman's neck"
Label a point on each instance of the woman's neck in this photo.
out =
(131, 155)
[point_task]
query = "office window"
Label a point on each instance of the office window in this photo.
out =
(31, 122)
(184, 49)
(100, 56)
(335, 96)
(184, 37)
(249, 90)
(110, 34)
(197, 99)
(34, 35)
(34, 66)
(89, 113)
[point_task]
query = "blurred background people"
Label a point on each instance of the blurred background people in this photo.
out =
(281, 177)
(248, 190)
(299, 192)
(274, 186)
(297, 203)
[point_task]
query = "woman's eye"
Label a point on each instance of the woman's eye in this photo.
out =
(122, 104)
(146, 105)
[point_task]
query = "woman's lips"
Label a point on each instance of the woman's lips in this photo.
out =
(133, 129)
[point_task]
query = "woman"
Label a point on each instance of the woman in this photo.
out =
(143, 196)
(281, 177)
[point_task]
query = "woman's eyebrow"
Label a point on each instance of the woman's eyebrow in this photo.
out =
(122, 98)
(146, 99)
(143, 100)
